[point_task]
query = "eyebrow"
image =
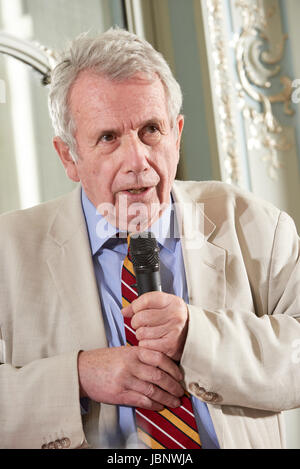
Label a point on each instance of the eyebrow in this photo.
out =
(117, 130)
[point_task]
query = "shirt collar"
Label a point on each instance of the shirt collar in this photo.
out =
(100, 230)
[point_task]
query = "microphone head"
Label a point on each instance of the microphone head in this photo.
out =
(144, 252)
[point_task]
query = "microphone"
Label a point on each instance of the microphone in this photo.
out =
(144, 253)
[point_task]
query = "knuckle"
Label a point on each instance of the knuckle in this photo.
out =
(142, 354)
(144, 402)
(140, 333)
(164, 346)
(157, 358)
(144, 300)
(150, 391)
(157, 375)
(134, 321)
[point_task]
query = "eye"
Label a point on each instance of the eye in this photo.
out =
(150, 134)
(151, 129)
(107, 137)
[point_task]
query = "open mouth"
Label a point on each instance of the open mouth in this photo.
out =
(137, 191)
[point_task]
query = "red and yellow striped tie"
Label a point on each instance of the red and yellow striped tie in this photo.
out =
(169, 428)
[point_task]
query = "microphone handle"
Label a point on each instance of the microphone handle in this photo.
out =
(148, 281)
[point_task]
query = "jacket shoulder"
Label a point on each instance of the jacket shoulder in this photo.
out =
(33, 222)
(29, 216)
(212, 193)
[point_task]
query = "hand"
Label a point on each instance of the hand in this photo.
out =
(160, 321)
(131, 376)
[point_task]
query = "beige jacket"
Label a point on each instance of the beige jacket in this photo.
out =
(242, 351)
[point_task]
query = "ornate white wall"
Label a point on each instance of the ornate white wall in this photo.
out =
(252, 87)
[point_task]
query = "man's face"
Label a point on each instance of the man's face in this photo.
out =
(128, 152)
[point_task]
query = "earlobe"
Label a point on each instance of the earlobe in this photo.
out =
(65, 156)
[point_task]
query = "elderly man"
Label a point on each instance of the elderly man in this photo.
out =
(214, 357)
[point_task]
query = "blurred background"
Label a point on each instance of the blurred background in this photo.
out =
(236, 60)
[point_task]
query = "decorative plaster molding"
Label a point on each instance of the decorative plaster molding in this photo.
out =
(224, 92)
(37, 56)
(261, 25)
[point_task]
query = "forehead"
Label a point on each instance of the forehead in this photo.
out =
(93, 96)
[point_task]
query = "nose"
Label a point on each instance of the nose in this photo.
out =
(135, 154)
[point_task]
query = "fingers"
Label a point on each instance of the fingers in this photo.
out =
(154, 309)
(155, 300)
(157, 344)
(130, 376)
(152, 395)
(161, 361)
(160, 321)
(155, 381)
(157, 377)
(144, 333)
(136, 399)
(148, 317)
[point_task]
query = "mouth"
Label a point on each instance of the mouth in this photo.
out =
(137, 191)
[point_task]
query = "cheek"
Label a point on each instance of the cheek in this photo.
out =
(87, 175)
(96, 180)
(168, 165)
(95, 172)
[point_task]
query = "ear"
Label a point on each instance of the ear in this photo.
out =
(64, 153)
(179, 124)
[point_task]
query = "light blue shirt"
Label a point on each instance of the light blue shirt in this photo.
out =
(108, 255)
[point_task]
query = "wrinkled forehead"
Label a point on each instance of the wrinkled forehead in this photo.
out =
(93, 95)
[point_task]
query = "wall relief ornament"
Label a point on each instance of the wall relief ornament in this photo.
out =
(224, 91)
(259, 48)
(37, 56)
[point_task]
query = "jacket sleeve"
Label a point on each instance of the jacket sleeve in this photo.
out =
(234, 357)
(39, 404)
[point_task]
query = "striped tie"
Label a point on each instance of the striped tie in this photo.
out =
(169, 428)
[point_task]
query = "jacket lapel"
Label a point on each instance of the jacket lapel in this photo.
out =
(204, 261)
(72, 271)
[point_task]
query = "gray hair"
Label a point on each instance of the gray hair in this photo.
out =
(115, 54)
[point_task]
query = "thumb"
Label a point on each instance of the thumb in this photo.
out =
(127, 311)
